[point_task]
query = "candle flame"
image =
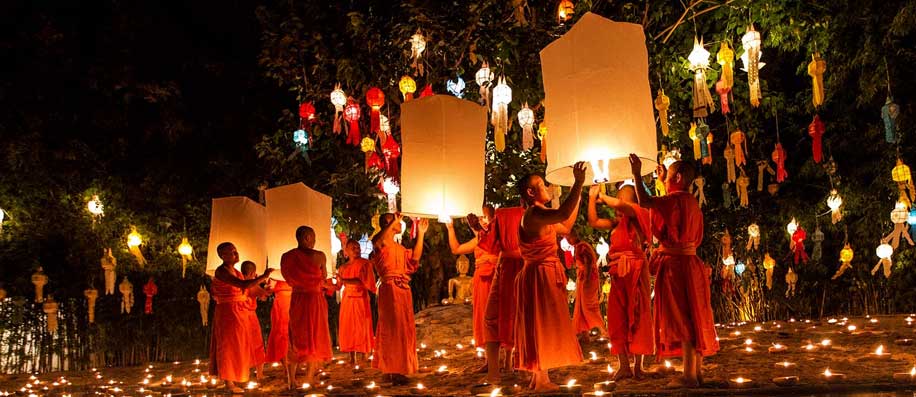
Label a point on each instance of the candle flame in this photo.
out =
(593, 355)
(851, 328)
(442, 368)
(809, 347)
(609, 369)
(495, 392)
(252, 385)
(827, 372)
(748, 341)
(420, 386)
(667, 364)
(777, 345)
(758, 328)
(306, 386)
(599, 393)
(913, 371)
(571, 383)
(880, 350)
(371, 385)
(825, 342)
(739, 380)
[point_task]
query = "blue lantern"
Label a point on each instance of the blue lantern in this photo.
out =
(300, 137)
(911, 220)
(455, 87)
(739, 268)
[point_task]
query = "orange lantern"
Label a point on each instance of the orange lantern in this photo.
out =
(901, 174)
(565, 11)
(375, 98)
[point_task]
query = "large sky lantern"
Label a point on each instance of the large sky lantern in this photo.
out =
(442, 161)
(289, 207)
(596, 78)
(243, 222)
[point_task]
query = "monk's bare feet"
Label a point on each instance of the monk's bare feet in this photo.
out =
(639, 374)
(681, 382)
(546, 387)
(233, 388)
(623, 374)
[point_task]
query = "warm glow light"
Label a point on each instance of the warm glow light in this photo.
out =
(420, 386)
(792, 226)
(571, 383)
(495, 392)
(133, 239)
(95, 206)
(748, 342)
(185, 248)
(252, 385)
(739, 380)
(825, 342)
(851, 328)
(827, 372)
(880, 350)
(667, 364)
(758, 328)
(593, 356)
(442, 368)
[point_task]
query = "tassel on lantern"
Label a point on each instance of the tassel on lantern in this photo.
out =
(692, 133)
(742, 184)
(751, 43)
(889, 113)
(407, 86)
(484, 78)
(150, 290)
(816, 131)
(91, 295)
(339, 100)
(699, 62)
(899, 219)
(697, 190)
(203, 299)
(351, 114)
(884, 252)
(368, 147)
(739, 141)
(502, 95)
(846, 255)
(134, 240)
(763, 165)
(51, 308)
(779, 157)
(709, 139)
(127, 295)
(375, 98)
(662, 102)
(417, 46)
(391, 151)
(729, 154)
(769, 264)
(753, 237)
(904, 178)
(816, 69)
(427, 91)
(526, 121)
(542, 135)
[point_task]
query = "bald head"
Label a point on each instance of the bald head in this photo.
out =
(305, 236)
(682, 172)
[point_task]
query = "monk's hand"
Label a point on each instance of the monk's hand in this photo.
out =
(473, 222)
(593, 192)
(449, 224)
(661, 172)
(267, 272)
(579, 172)
(635, 165)
(423, 225)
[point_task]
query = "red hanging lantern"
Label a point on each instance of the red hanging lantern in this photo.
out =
(375, 161)
(351, 113)
(375, 98)
(306, 114)
(391, 150)
(798, 240)
(779, 157)
(427, 91)
(723, 90)
(149, 290)
(816, 130)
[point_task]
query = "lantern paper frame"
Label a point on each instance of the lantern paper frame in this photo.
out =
(289, 207)
(242, 222)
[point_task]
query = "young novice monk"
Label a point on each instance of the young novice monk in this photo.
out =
(683, 312)
(354, 335)
(254, 293)
(629, 310)
(587, 311)
(278, 340)
(544, 334)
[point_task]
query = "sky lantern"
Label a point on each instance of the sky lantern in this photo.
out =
(352, 113)
(407, 86)
(339, 100)
(699, 62)
(594, 58)
(375, 98)
(442, 162)
(242, 222)
(751, 42)
(289, 207)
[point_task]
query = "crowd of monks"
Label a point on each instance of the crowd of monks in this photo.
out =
(520, 309)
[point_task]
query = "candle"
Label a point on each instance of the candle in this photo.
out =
(596, 393)
(809, 347)
(879, 353)
(833, 376)
(909, 322)
(904, 342)
(851, 328)
(606, 386)
(784, 365)
(740, 383)
(594, 359)
(777, 348)
(497, 392)
(571, 386)
(442, 369)
(252, 385)
(906, 377)
(785, 380)
(371, 385)
(420, 389)
(758, 328)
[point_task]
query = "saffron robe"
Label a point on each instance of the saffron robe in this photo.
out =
(587, 310)
(230, 339)
(254, 329)
(683, 311)
(484, 268)
(278, 340)
(629, 309)
(396, 335)
(310, 338)
(354, 332)
(502, 240)
(544, 333)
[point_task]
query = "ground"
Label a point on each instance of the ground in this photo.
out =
(446, 367)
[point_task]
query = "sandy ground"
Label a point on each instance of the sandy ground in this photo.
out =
(448, 370)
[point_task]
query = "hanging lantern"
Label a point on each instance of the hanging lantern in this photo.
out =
(792, 226)
(134, 240)
(351, 114)
(300, 137)
(739, 141)
(817, 239)
(729, 154)
(816, 131)
(702, 132)
(751, 59)
(911, 220)
(39, 279)
(742, 184)
(185, 250)
(692, 134)
(455, 87)
(602, 250)
(407, 86)
(884, 252)
(391, 151)
(203, 299)
(726, 58)
(526, 121)
(846, 255)
(384, 126)
(662, 102)
(94, 206)
(368, 147)
(779, 157)
(670, 157)
(565, 11)
(901, 174)
(699, 182)
(763, 165)
(150, 290)
(726, 242)
(306, 116)
(50, 307)
(699, 62)
(375, 98)
(127, 295)
(502, 95)
(899, 218)
(91, 295)
(740, 267)
(889, 113)
(816, 69)
(484, 78)
(769, 264)
(791, 280)
(753, 237)
(339, 100)
(542, 136)
(834, 202)
(709, 140)
(391, 189)
(109, 263)
(417, 46)
(427, 91)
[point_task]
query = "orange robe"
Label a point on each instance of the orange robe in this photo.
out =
(354, 333)
(278, 341)
(683, 311)
(629, 308)
(587, 310)
(484, 268)
(230, 344)
(544, 334)
(310, 338)
(396, 335)
(256, 337)
(502, 240)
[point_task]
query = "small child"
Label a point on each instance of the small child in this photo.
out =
(587, 310)
(249, 271)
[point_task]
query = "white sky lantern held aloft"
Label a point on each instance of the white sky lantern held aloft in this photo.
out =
(289, 207)
(442, 165)
(243, 222)
(596, 79)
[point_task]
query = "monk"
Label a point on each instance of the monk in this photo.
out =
(254, 293)
(629, 307)
(587, 310)
(278, 340)
(230, 340)
(354, 335)
(310, 339)
(396, 343)
(545, 337)
(499, 318)
(484, 267)
(683, 311)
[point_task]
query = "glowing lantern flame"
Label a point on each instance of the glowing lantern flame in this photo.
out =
(880, 350)
(495, 392)
(571, 383)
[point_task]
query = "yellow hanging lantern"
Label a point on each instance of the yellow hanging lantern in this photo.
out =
(134, 240)
(662, 102)
(834, 202)
(185, 250)
(816, 69)
(769, 264)
(901, 174)
(726, 58)
(846, 255)
(91, 295)
(565, 11)
(367, 145)
(751, 42)
(407, 86)
(699, 62)
(692, 133)
(95, 207)
(542, 135)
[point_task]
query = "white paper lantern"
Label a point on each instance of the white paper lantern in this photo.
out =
(95, 206)
(243, 222)
(289, 207)
(596, 79)
(442, 161)
(884, 251)
(792, 226)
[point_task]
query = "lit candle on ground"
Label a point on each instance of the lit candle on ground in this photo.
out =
(909, 322)
(606, 386)
(758, 328)
(667, 368)
(372, 386)
(785, 380)
(740, 382)
(879, 353)
(420, 389)
(442, 369)
(594, 359)
(596, 393)
(571, 386)
(777, 348)
(851, 328)
(906, 377)
(497, 392)
(784, 365)
(809, 347)
(826, 343)
(904, 342)
(252, 385)
(748, 349)
(833, 376)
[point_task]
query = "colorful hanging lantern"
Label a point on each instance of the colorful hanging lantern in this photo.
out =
(51, 307)
(835, 202)
(816, 69)
(798, 244)
(109, 263)
(726, 58)
(726, 242)
(39, 280)
(697, 189)
(502, 95)
(846, 255)
(391, 151)
(134, 240)
(889, 113)
(742, 184)
(763, 165)
(702, 132)
(726, 195)
(662, 102)
(91, 295)
(739, 141)
(692, 134)
(351, 114)
(127, 295)
(753, 237)
(779, 157)
(709, 140)
(427, 91)
(723, 92)
(769, 264)
(417, 46)
(791, 280)
(792, 226)
(901, 174)
(407, 86)
(699, 62)
(368, 147)
(816, 131)
(751, 58)
(484, 77)
(542, 136)
(150, 290)
(884, 252)
(526, 121)
(94, 206)
(455, 87)
(817, 239)
(729, 154)
(203, 299)
(301, 138)
(391, 190)
(185, 250)
(339, 100)
(565, 11)
(375, 98)
(899, 218)
(306, 116)
(740, 267)
(911, 220)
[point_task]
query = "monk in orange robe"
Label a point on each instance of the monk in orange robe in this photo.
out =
(310, 339)
(354, 334)
(683, 311)
(499, 318)
(230, 339)
(254, 293)
(629, 309)
(278, 340)
(396, 335)
(545, 337)
(587, 310)
(484, 267)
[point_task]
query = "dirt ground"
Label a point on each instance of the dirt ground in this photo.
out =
(448, 370)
